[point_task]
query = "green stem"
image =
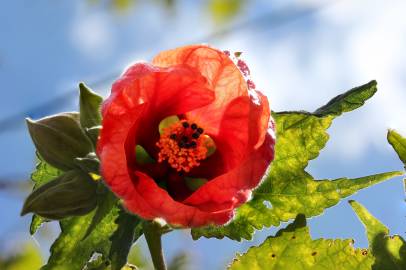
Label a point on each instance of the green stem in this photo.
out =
(152, 233)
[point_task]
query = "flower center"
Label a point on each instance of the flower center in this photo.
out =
(183, 145)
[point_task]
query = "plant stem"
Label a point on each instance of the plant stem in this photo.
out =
(152, 233)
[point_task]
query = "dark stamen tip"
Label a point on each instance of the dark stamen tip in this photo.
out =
(195, 135)
(184, 139)
(187, 145)
(200, 130)
(185, 124)
(193, 126)
(181, 144)
(193, 144)
(173, 136)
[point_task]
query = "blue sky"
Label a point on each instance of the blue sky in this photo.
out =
(299, 61)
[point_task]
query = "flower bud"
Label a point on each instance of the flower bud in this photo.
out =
(71, 194)
(89, 163)
(93, 133)
(59, 139)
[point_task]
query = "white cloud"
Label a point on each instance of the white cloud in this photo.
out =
(92, 34)
(301, 67)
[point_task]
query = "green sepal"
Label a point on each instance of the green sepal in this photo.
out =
(90, 105)
(89, 164)
(59, 139)
(195, 183)
(142, 157)
(128, 231)
(71, 194)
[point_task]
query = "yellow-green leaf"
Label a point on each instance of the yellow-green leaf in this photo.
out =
(71, 252)
(43, 173)
(28, 257)
(398, 143)
(292, 248)
(289, 189)
(389, 251)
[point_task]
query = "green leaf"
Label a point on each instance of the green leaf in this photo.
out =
(106, 200)
(398, 143)
(71, 252)
(292, 248)
(129, 230)
(43, 173)
(70, 194)
(59, 139)
(310, 197)
(90, 106)
(389, 251)
(348, 101)
(288, 189)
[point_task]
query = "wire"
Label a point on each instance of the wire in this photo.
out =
(270, 19)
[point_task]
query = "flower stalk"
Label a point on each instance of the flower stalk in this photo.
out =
(153, 233)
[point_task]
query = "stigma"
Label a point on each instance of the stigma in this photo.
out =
(183, 145)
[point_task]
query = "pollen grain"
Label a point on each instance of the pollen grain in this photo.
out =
(181, 146)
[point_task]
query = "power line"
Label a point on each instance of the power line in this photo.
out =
(272, 19)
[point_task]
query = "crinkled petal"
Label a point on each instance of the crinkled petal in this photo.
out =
(204, 84)
(164, 91)
(150, 201)
(137, 97)
(222, 74)
(168, 91)
(242, 130)
(231, 189)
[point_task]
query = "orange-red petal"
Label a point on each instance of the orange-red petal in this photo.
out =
(135, 99)
(233, 188)
(222, 74)
(204, 85)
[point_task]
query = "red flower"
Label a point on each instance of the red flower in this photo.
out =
(208, 93)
